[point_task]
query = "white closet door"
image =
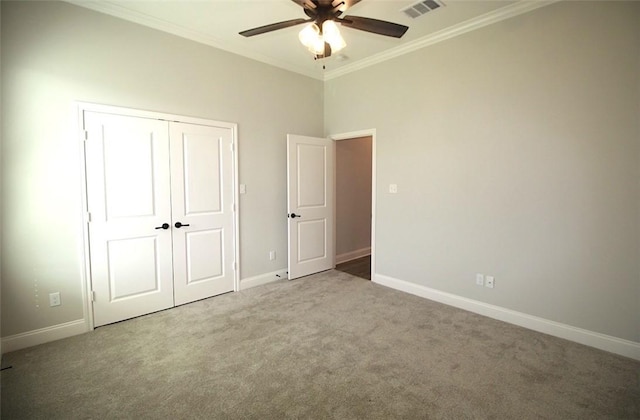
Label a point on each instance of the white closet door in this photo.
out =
(202, 205)
(128, 194)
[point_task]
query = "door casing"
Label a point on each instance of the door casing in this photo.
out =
(81, 108)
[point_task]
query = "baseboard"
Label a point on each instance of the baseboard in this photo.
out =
(600, 341)
(43, 335)
(352, 255)
(250, 282)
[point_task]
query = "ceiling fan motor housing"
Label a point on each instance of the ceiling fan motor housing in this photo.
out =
(323, 11)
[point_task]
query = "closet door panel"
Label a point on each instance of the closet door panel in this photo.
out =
(202, 205)
(128, 197)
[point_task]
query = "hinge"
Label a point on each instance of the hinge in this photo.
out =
(86, 135)
(235, 265)
(88, 217)
(93, 296)
(233, 207)
(231, 146)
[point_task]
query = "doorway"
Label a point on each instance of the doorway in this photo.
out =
(315, 179)
(354, 203)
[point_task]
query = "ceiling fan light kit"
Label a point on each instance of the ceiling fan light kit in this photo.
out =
(332, 35)
(314, 39)
(321, 36)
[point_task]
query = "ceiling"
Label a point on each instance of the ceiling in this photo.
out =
(217, 23)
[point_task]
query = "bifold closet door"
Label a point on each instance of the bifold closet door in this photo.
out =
(129, 200)
(161, 216)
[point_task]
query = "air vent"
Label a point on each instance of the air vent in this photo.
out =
(422, 7)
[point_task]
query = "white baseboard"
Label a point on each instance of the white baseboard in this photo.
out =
(250, 282)
(43, 335)
(600, 341)
(352, 255)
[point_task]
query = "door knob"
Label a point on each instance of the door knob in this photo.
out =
(179, 225)
(293, 215)
(164, 226)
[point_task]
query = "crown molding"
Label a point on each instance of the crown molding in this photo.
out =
(168, 27)
(495, 16)
(478, 22)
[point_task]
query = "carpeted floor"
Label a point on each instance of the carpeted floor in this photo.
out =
(325, 346)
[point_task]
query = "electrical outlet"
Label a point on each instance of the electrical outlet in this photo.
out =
(54, 299)
(272, 255)
(489, 282)
(479, 279)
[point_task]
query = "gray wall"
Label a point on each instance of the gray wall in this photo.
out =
(353, 195)
(55, 53)
(516, 150)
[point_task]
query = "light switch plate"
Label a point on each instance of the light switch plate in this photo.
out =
(393, 188)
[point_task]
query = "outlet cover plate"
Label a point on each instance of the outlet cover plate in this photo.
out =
(54, 299)
(489, 282)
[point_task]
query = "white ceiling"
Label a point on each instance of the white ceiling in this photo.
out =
(217, 23)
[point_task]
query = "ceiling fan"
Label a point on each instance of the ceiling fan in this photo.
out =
(322, 36)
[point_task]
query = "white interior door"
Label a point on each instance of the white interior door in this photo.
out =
(310, 211)
(128, 199)
(202, 207)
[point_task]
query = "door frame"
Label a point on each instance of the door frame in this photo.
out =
(81, 108)
(352, 135)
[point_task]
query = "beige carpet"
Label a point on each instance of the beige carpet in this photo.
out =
(326, 346)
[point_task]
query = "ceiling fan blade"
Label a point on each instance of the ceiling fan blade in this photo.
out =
(380, 27)
(273, 27)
